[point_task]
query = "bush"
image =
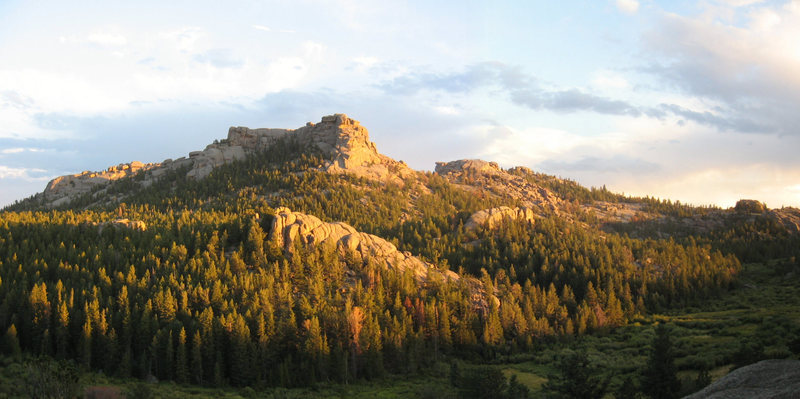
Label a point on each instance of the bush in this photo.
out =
(140, 391)
(51, 379)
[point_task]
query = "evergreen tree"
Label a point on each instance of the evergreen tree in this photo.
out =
(12, 347)
(181, 360)
(660, 379)
(577, 379)
(197, 359)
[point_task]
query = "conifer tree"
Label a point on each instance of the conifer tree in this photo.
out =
(181, 359)
(197, 358)
(12, 347)
(660, 379)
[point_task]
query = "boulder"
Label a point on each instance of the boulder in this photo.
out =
(767, 379)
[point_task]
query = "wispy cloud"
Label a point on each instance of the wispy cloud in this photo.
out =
(525, 90)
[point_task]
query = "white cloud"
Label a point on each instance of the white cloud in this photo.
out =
(628, 6)
(364, 63)
(12, 150)
(107, 39)
(18, 150)
(749, 69)
(268, 29)
(63, 91)
(184, 39)
(22, 173)
(610, 80)
(447, 110)
(510, 146)
(180, 65)
(740, 3)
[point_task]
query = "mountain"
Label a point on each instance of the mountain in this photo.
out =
(288, 257)
(344, 147)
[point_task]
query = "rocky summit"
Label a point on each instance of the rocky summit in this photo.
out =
(342, 141)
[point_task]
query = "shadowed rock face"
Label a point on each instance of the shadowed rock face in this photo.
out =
(767, 379)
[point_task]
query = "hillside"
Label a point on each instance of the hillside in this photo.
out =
(280, 257)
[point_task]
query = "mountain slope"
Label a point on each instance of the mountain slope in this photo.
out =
(317, 255)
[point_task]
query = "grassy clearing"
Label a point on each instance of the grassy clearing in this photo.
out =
(533, 381)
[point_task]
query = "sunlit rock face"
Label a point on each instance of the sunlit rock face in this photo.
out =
(342, 141)
(492, 218)
(291, 230)
(478, 175)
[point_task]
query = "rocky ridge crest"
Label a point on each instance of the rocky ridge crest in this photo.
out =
(476, 175)
(341, 140)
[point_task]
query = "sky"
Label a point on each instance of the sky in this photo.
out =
(695, 101)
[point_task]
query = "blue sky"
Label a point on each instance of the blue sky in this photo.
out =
(693, 101)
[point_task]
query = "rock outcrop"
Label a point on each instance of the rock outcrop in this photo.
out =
(478, 176)
(789, 217)
(289, 229)
(123, 223)
(342, 141)
(767, 379)
(292, 228)
(750, 206)
(491, 218)
(64, 188)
